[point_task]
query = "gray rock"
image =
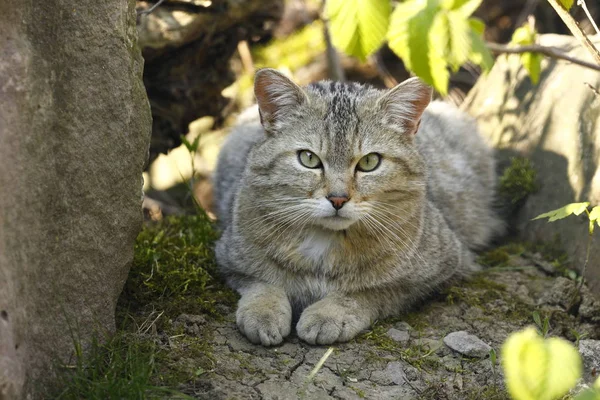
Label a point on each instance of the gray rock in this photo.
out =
(556, 124)
(393, 374)
(398, 336)
(467, 344)
(590, 352)
(74, 135)
(562, 294)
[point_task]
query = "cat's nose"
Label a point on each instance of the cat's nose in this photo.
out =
(338, 200)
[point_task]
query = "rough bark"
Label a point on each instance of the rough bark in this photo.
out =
(74, 134)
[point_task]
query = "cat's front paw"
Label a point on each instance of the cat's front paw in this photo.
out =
(332, 320)
(264, 319)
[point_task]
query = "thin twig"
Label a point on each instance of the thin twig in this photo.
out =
(581, 3)
(319, 365)
(545, 50)
(575, 29)
(148, 11)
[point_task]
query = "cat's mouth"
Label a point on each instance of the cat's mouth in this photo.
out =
(336, 222)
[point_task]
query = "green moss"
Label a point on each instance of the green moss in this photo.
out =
(518, 180)
(174, 270)
(500, 256)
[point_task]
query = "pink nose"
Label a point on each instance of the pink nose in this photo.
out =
(337, 201)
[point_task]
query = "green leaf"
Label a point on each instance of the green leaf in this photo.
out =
(563, 212)
(567, 4)
(479, 53)
(358, 27)
(464, 7)
(459, 45)
(532, 62)
(186, 143)
(419, 35)
(537, 319)
(595, 215)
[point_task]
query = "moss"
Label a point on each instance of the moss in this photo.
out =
(518, 180)
(500, 256)
(174, 270)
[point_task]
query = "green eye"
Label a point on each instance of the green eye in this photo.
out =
(309, 159)
(369, 163)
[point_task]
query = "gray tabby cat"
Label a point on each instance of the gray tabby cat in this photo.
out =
(346, 204)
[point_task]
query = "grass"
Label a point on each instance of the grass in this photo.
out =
(173, 272)
(119, 369)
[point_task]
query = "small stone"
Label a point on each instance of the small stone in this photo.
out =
(392, 374)
(397, 335)
(403, 326)
(467, 344)
(590, 352)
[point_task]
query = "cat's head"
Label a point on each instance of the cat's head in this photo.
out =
(337, 153)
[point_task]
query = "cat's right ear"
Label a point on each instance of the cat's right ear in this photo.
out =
(276, 96)
(404, 104)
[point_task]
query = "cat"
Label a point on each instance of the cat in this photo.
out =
(340, 204)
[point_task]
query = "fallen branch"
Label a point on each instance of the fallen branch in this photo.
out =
(575, 29)
(545, 50)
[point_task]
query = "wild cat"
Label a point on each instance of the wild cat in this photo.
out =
(342, 204)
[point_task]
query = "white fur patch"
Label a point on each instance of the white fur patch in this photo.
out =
(316, 246)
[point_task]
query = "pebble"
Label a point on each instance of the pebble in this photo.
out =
(397, 335)
(467, 344)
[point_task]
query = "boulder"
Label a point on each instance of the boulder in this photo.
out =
(556, 124)
(74, 134)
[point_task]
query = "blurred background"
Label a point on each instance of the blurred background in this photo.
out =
(201, 55)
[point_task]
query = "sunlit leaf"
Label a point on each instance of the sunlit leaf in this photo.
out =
(464, 7)
(532, 62)
(479, 53)
(358, 27)
(567, 4)
(537, 368)
(563, 212)
(595, 215)
(419, 35)
(459, 43)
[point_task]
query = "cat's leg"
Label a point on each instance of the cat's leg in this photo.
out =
(264, 313)
(340, 317)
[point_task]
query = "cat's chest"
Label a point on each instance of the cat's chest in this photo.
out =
(317, 250)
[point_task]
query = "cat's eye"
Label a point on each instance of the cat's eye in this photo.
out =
(308, 159)
(369, 163)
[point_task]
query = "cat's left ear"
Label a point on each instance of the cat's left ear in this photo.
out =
(404, 104)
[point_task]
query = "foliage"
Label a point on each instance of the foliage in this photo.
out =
(358, 27)
(576, 209)
(430, 36)
(539, 369)
(532, 62)
(518, 180)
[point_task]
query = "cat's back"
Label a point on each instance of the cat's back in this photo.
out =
(232, 162)
(461, 177)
